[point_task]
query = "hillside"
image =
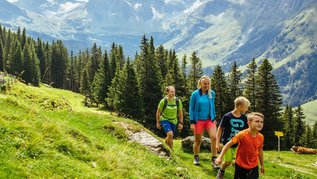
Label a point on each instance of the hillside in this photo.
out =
(310, 111)
(48, 133)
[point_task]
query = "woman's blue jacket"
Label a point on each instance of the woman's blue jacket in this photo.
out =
(194, 106)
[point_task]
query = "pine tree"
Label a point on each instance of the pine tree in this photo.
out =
(1, 56)
(16, 65)
(299, 125)
(59, 64)
(35, 67)
(46, 77)
(268, 101)
(170, 78)
(6, 54)
(19, 34)
(23, 38)
(150, 82)
(72, 76)
(161, 59)
(195, 72)
(92, 66)
(288, 127)
(307, 139)
(120, 59)
(234, 84)
(84, 82)
(41, 56)
(1, 35)
(84, 85)
(250, 85)
(314, 135)
(130, 92)
(113, 60)
(184, 67)
(31, 65)
(175, 78)
(27, 64)
(114, 94)
(107, 78)
(93, 62)
(101, 81)
(185, 99)
(219, 85)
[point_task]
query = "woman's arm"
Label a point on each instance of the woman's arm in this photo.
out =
(192, 102)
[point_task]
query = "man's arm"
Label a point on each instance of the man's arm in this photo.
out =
(180, 119)
(180, 116)
(223, 151)
(158, 116)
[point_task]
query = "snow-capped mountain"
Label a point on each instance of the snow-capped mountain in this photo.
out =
(220, 31)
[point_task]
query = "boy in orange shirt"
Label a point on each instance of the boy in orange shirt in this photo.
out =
(249, 151)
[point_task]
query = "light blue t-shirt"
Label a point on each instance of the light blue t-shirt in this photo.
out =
(203, 111)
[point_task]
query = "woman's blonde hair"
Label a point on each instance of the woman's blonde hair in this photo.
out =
(199, 85)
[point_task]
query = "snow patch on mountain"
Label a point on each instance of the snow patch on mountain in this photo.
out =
(68, 6)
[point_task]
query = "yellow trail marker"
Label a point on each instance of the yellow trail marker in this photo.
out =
(278, 134)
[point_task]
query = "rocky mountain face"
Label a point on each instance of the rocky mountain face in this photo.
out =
(220, 31)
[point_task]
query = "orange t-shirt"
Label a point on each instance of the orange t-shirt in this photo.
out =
(248, 148)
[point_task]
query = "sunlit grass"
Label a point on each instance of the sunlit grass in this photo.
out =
(38, 140)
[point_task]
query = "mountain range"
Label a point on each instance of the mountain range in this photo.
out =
(220, 31)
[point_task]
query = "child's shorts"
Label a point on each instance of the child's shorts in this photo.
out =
(230, 154)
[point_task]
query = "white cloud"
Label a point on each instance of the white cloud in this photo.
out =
(170, 1)
(156, 14)
(68, 6)
(12, 1)
(137, 6)
(193, 7)
(237, 1)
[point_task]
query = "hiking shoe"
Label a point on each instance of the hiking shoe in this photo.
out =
(220, 174)
(196, 160)
(214, 165)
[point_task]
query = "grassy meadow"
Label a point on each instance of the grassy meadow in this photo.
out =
(310, 111)
(48, 133)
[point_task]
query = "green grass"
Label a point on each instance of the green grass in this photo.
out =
(48, 133)
(310, 111)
